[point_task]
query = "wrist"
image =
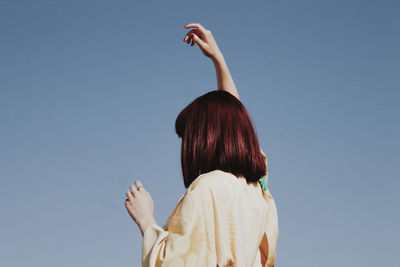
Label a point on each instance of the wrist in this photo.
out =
(217, 58)
(145, 223)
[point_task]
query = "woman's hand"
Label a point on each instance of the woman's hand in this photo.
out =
(204, 39)
(139, 205)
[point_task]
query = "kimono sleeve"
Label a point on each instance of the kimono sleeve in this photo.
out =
(270, 237)
(271, 233)
(176, 244)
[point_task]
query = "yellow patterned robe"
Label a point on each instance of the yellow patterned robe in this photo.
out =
(221, 220)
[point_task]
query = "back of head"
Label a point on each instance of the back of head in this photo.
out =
(217, 133)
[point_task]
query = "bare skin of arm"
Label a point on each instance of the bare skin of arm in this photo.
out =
(205, 40)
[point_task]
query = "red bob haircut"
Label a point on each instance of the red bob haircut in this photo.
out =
(217, 133)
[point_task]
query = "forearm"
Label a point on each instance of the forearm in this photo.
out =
(224, 78)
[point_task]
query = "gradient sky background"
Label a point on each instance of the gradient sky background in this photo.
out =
(90, 91)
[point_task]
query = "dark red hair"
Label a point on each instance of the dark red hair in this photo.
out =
(217, 133)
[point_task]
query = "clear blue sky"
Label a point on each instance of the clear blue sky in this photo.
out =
(90, 91)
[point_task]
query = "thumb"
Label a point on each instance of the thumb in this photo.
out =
(198, 41)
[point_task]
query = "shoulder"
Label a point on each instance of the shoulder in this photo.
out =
(215, 179)
(214, 183)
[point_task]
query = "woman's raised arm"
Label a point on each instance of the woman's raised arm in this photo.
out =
(205, 40)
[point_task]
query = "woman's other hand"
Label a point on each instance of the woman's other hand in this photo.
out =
(139, 205)
(204, 39)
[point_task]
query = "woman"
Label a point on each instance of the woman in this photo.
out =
(227, 216)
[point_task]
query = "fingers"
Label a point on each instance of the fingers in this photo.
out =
(196, 39)
(198, 35)
(196, 25)
(133, 189)
(188, 36)
(139, 185)
(202, 32)
(136, 187)
(129, 195)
